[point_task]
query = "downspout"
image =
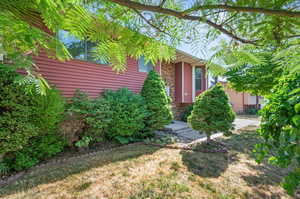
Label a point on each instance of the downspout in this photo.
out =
(182, 79)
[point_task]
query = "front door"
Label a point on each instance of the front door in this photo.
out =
(198, 80)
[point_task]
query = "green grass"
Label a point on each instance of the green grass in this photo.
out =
(144, 172)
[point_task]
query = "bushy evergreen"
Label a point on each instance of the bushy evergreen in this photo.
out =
(212, 112)
(118, 115)
(157, 102)
(28, 123)
(127, 115)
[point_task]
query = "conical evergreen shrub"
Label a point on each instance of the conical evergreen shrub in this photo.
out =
(212, 112)
(157, 102)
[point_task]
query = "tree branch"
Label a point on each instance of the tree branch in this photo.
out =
(178, 14)
(266, 11)
(150, 24)
(162, 3)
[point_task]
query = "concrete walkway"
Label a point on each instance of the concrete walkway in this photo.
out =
(187, 135)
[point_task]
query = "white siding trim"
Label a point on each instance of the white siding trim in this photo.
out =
(182, 79)
(193, 83)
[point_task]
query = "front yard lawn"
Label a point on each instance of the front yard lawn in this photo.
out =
(140, 171)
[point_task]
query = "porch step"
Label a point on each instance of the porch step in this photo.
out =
(183, 131)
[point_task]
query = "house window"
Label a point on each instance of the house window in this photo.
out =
(198, 78)
(144, 66)
(82, 50)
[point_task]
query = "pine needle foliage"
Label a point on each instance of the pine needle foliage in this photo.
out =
(157, 102)
(212, 112)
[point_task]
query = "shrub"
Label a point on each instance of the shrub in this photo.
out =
(48, 111)
(280, 129)
(116, 115)
(28, 123)
(16, 113)
(157, 102)
(212, 112)
(251, 111)
(99, 118)
(187, 112)
(80, 103)
(127, 114)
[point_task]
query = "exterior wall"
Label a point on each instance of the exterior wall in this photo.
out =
(252, 100)
(236, 99)
(168, 71)
(89, 77)
(240, 101)
(178, 82)
(188, 81)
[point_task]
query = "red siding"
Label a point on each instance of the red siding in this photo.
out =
(188, 88)
(178, 82)
(89, 77)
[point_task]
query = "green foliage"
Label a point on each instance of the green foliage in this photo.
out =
(212, 112)
(28, 123)
(84, 142)
(128, 113)
(251, 111)
(157, 102)
(116, 115)
(255, 79)
(280, 129)
(49, 110)
(16, 111)
(38, 149)
(4, 169)
(187, 112)
(80, 103)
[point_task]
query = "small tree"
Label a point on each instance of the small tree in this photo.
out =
(212, 112)
(157, 101)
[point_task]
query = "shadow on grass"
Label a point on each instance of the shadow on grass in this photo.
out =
(56, 171)
(213, 165)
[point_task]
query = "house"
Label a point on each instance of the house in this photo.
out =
(242, 101)
(185, 77)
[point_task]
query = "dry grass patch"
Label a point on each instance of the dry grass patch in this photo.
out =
(145, 172)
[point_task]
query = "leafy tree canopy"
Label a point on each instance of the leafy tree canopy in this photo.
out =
(280, 129)
(132, 28)
(257, 79)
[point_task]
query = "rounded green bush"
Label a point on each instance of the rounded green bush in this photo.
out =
(212, 112)
(127, 114)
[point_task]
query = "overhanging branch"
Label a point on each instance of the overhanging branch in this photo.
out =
(181, 15)
(278, 12)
